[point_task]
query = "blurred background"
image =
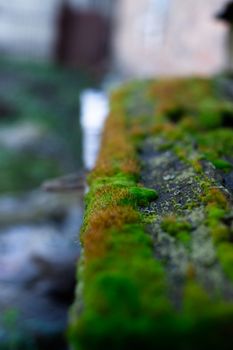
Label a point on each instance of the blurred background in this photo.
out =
(58, 59)
(143, 37)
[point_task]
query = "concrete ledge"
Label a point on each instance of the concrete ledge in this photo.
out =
(157, 262)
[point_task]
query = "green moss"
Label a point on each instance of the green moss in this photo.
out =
(222, 164)
(215, 213)
(218, 142)
(225, 254)
(209, 114)
(142, 196)
(184, 237)
(177, 227)
(136, 195)
(219, 232)
(118, 257)
(195, 298)
(125, 289)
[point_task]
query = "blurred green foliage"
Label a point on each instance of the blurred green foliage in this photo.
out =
(47, 96)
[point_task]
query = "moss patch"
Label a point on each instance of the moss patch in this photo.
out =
(146, 286)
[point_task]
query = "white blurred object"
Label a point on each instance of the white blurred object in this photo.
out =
(94, 110)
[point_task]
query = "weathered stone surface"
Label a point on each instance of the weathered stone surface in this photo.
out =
(178, 187)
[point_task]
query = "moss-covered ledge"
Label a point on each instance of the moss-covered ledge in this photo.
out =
(157, 262)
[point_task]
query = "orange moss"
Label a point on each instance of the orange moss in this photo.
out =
(130, 167)
(114, 216)
(172, 94)
(214, 196)
(95, 243)
(196, 165)
(115, 194)
(96, 236)
(191, 272)
(117, 152)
